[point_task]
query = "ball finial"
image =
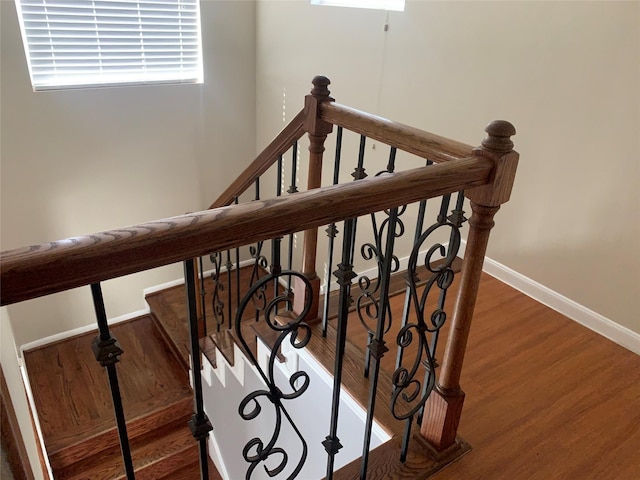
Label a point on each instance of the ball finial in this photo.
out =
(499, 133)
(320, 84)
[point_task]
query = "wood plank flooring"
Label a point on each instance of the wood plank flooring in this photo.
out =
(546, 398)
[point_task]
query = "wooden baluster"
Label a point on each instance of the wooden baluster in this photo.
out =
(317, 130)
(444, 406)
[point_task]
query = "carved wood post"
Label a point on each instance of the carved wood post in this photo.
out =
(444, 406)
(317, 130)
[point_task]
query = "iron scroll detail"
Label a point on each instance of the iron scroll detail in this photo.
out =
(409, 392)
(257, 451)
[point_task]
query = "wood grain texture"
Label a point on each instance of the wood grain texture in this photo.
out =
(39, 270)
(72, 398)
(283, 141)
(169, 311)
(158, 453)
(403, 137)
(192, 472)
(384, 463)
(546, 398)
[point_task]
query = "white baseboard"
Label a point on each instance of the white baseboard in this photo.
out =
(579, 313)
(79, 331)
(122, 318)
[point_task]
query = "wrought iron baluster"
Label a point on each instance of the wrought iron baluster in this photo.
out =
(407, 301)
(257, 451)
(292, 189)
(409, 395)
(294, 169)
(203, 296)
(107, 351)
(368, 300)
(332, 231)
(377, 345)
(237, 270)
(217, 305)
(260, 263)
(276, 243)
(199, 424)
(344, 275)
(457, 219)
(229, 266)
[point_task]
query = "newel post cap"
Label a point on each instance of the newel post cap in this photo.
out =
(499, 136)
(320, 84)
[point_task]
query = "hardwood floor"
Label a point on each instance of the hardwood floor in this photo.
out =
(546, 398)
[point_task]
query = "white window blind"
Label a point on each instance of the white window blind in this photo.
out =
(80, 43)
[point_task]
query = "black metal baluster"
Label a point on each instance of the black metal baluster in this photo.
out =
(457, 218)
(265, 449)
(107, 351)
(377, 345)
(409, 394)
(332, 231)
(203, 295)
(229, 266)
(276, 243)
(237, 271)
(391, 165)
(407, 299)
(345, 275)
(292, 189)
(358, 174)
(217, 305)
(294, 169)
(199, 424)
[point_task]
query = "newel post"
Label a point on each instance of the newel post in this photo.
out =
(317, 130)
(444, 406)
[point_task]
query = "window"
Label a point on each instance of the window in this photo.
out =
(84, 43)
(397, 5)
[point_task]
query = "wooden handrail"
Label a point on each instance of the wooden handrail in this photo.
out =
(39, 270)
(283, 141)
(410, 139)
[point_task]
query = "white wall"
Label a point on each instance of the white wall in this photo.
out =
(567, 74)
(11, 370)
(80, 161)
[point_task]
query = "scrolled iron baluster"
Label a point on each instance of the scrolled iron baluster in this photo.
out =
(367, 304)
(218, 287)
(260, 264)
(257, 451)
(409, 392)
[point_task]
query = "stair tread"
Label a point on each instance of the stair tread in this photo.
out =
(106, 439)
(224, 343)
(208, 349)
(72, 396)
(153, 454)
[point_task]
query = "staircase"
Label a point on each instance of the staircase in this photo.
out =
(79, 428)
(373, 214)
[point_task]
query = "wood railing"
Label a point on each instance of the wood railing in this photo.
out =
(48, 268)
(486, 175)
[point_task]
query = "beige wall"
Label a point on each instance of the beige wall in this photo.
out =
(80, 161)
(567, 74)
